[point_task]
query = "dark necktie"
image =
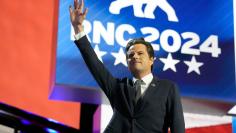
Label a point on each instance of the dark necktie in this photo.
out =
(138, 90)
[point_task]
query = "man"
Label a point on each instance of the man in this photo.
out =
(144, 104)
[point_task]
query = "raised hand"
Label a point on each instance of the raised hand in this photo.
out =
(77, 15)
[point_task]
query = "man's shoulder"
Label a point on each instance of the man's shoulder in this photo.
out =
(169, 86)
(166, 82)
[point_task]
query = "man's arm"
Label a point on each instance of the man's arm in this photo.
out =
(98, 70)
(103, 77)
(176, 118)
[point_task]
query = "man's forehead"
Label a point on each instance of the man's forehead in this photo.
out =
(138, 48)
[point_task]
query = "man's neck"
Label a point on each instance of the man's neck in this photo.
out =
(141, 75)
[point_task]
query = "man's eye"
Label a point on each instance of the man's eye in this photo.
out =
(130, 55)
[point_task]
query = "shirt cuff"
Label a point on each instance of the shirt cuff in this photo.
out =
(79, 35)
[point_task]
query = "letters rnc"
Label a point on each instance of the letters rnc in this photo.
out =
(149, 9)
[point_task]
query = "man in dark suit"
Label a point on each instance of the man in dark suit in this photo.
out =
(144, 104)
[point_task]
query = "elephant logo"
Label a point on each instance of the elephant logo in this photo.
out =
(148, 12)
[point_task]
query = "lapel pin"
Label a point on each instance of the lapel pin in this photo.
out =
(153, 85)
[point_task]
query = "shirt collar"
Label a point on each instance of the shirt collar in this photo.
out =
(146, 79)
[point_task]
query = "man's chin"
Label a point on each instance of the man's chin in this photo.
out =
(135, 70)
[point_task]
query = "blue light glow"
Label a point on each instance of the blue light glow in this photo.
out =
(49, 130)
(25, 122)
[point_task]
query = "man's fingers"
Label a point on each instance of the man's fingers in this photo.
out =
(78, 10)
(76, 4)
(85, 12)
(71, 10)
(81, 5)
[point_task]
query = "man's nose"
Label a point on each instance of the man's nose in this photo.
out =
(136, 56)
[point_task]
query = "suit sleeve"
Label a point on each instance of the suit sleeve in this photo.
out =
(176, 118)
(103, 77)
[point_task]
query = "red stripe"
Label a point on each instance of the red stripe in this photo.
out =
(225, 128)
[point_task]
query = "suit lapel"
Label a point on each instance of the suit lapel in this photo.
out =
(131, 92)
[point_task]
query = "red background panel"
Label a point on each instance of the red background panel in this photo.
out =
(225, 128)
(27, 56)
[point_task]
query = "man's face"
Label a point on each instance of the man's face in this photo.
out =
(138, 59)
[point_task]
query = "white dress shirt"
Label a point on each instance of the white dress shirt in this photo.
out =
(79, 35)
(146, 82)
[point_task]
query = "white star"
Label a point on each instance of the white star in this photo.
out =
(169, 62)
(193, 65)
(99, 53)
(120, 57)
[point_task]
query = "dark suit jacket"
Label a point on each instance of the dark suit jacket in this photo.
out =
(159, 108)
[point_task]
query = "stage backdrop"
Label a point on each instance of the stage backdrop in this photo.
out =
(26, 57)
(193, 42)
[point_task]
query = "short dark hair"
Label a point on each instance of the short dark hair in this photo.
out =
(141, 40)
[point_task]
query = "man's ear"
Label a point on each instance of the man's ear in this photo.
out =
(153, 59)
